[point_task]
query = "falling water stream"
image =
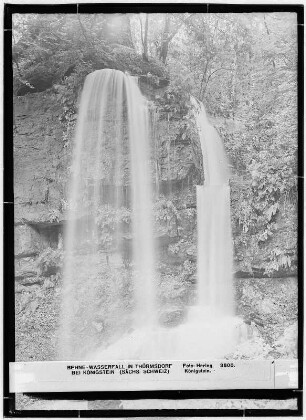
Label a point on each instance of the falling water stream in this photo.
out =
(113, 118)
(112, 113)
(215, 249)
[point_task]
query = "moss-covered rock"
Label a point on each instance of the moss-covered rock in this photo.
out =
(43, 76)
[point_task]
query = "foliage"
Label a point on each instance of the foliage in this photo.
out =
(173, 103)
(42, 50)
(287, 343)
(176, 219)
(254, 348)
(228, 61)
(48, 48)
(166, 216)
(109, 220)
(70, 89)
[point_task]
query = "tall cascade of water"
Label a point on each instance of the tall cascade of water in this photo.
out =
(112, 124)
(112, 145)
(215, 249)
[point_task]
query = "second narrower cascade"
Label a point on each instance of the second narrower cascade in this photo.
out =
(215, 249)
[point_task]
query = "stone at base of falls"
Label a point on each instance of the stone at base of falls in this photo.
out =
(198, 338)
(172, 317)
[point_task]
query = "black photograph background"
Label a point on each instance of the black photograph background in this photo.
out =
(245, 64)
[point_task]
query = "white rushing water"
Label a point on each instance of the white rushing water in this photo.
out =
(211, 330)
(112, 113)
(113, 125)
(215, 249)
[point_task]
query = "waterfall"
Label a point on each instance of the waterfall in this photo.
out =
(210, 329)
(111, 148)
(112, 120)
(215, 253)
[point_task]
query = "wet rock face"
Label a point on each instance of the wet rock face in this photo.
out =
(25, 268)
(27, 241)
(39, 183)
(38, 157)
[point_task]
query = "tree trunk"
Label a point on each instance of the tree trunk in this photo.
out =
(145, 39)
(165, 40)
